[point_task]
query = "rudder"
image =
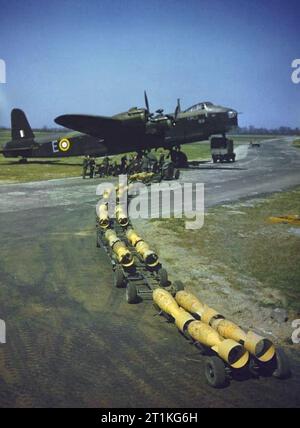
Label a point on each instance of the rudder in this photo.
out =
(20, 128)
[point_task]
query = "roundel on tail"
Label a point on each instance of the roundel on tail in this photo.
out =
(64, 145)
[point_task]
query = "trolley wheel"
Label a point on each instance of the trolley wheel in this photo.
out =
(215, 372)
(178, 285)
(163, 277)
(118, 277)
(177, 174)
(131, 293)
(282, 370)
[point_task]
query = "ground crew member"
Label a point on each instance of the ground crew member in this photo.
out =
(152, 160)
(145, 163)
(161, 160)
(92, 164)
(106, 165)
(116, 168)
(123, 167)
(85, 165)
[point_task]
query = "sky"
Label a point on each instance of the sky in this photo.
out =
(98, 56)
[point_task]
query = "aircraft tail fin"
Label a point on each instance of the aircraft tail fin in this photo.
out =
(20, 128)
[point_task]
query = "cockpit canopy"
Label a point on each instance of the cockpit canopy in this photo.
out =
(200, 106)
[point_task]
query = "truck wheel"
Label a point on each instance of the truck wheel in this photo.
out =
(233, 158)
(282, 370)
(215, 372)
(118, 277)
(163, 277)
(131, 294)
(178, 285)
(214, 159)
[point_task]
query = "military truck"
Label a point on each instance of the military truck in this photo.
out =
(222, 150)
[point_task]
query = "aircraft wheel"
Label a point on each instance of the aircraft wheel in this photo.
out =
(177, 174)
(215, 372)
(118, 277)
(163, 277)
(131, 294)
(182, 160)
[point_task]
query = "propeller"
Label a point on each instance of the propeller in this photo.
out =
(173, 118)
(146, 103)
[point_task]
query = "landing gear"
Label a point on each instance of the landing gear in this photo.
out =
(179, 158)
(23, 161)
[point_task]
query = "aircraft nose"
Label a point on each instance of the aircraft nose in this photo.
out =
(232, 113)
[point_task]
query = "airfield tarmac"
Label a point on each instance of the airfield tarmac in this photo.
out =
(72, 340)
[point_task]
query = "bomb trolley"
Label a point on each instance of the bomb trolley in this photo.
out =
(218, 373)
(139, 279)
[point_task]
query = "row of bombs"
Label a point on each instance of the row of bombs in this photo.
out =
(196, 320)
(205, 326)
(119, 248)
(141, 176)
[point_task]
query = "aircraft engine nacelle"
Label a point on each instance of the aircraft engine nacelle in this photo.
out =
(159, 126)
(136, 116)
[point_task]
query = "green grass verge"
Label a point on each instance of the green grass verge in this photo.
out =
(297, 142)
(239, 246)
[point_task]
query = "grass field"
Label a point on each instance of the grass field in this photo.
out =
(238, 249)
(46, 169)
(297, 142)
(36, 169)
(239, 263)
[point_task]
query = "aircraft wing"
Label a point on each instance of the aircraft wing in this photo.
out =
(96, 126)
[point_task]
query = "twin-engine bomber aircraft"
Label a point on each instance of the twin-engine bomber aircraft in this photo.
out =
(134, 130)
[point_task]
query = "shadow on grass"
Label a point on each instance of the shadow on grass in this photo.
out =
(41, 162)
